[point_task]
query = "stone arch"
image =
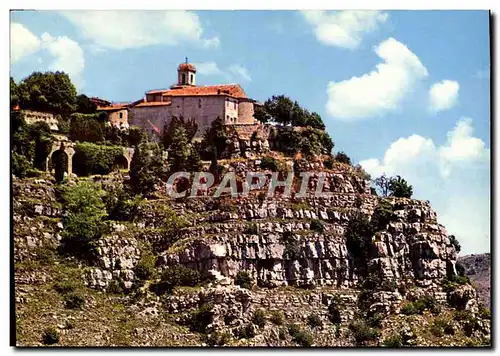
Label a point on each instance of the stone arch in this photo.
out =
(121, 162)
(59, 164)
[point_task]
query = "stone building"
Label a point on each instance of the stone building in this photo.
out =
(203, 103)
(117, 114)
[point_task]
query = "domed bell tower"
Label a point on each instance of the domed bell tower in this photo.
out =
(186, 73)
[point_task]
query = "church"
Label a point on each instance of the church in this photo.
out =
(203, 103)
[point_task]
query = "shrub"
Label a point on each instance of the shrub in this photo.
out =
(247, 332)
(400, 188)
(115, 287)
(313, 320)
(328, 163)
(389, 285)
(74, 300)
(269, 163)
(66, 287)
(177, 276)
(317, 225)
(85, 221)
(243, 279)
(483, 312)
(217, 338)
(382, 215)
(146, 266)
(301, 337)
(463, 315)
(439, 326)
(252, 229)
(393, 341)
(343, 158)
(277, 317)
(91, 158)
(201, 318)
(20, 165)
(259, 318)
(455, 243)
(334, 313)
(45, 255)
(362, 332)
(50, 336)
(375, 320)
(282, 334)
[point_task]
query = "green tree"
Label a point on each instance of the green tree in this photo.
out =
(215, 136)
(15, 95)
(42, 137)
(86, 128)
(400, 188)
(190, 127)
(50, 91)
(342, 157)
(84, 105)
(147, 168)
(135, 137)
(85, 220)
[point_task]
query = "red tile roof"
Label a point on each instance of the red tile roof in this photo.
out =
(112, 107)
(233, 90)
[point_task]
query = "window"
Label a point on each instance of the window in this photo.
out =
(199, 103)
(234, 102)
(183, 78)
(191, 78)
(121, 115)
(227, 118)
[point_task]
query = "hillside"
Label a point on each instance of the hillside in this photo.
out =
(478, 269)
(351, 269)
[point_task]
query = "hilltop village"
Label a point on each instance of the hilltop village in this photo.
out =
(105, 256)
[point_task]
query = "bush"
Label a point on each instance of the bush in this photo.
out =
(201, 318)
(262, 196)
(217, 338)
(20, 165)
(277, 317)
(269, 163)
(439, 326)
(243, 279)
(50, 336)
(343, 158)
(177, 276)
(362, 332)
(393, 341)
(328, 163)
(247, 332)
(419, 306)
(483, 312)
(74, 300)
(66, 287)
(259, 318)
(317, 225)
(463, 315)
(301, 337)
(85, 221)
(334, 313)
(146, 266)
(115, 287)
(91, 158)
(455, 243)
(375, 320)
(313, 320)
(282, 334)
(252, 229)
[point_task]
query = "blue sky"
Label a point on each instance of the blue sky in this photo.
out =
(402, 92)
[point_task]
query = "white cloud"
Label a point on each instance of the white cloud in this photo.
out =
(382, 89)
(22, 42)
(68, 56)
(443, 95)
(453, 176)
(240, 71)
(233, 72)
(343, 28)
(134, 29)
(65, 54)
(207, 68)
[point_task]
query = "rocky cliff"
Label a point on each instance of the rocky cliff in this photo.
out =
(303, 258)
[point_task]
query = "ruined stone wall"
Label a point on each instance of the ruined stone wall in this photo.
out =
(119, 118)
(33, 116)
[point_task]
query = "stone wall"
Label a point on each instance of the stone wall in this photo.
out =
(34, 116)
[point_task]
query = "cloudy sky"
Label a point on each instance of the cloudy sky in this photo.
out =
(402, 92)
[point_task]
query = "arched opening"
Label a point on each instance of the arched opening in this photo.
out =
(120, 163)
(59, 164)
(183, 78)
(79, 163)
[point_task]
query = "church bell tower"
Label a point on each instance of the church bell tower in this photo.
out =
(186, 73)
